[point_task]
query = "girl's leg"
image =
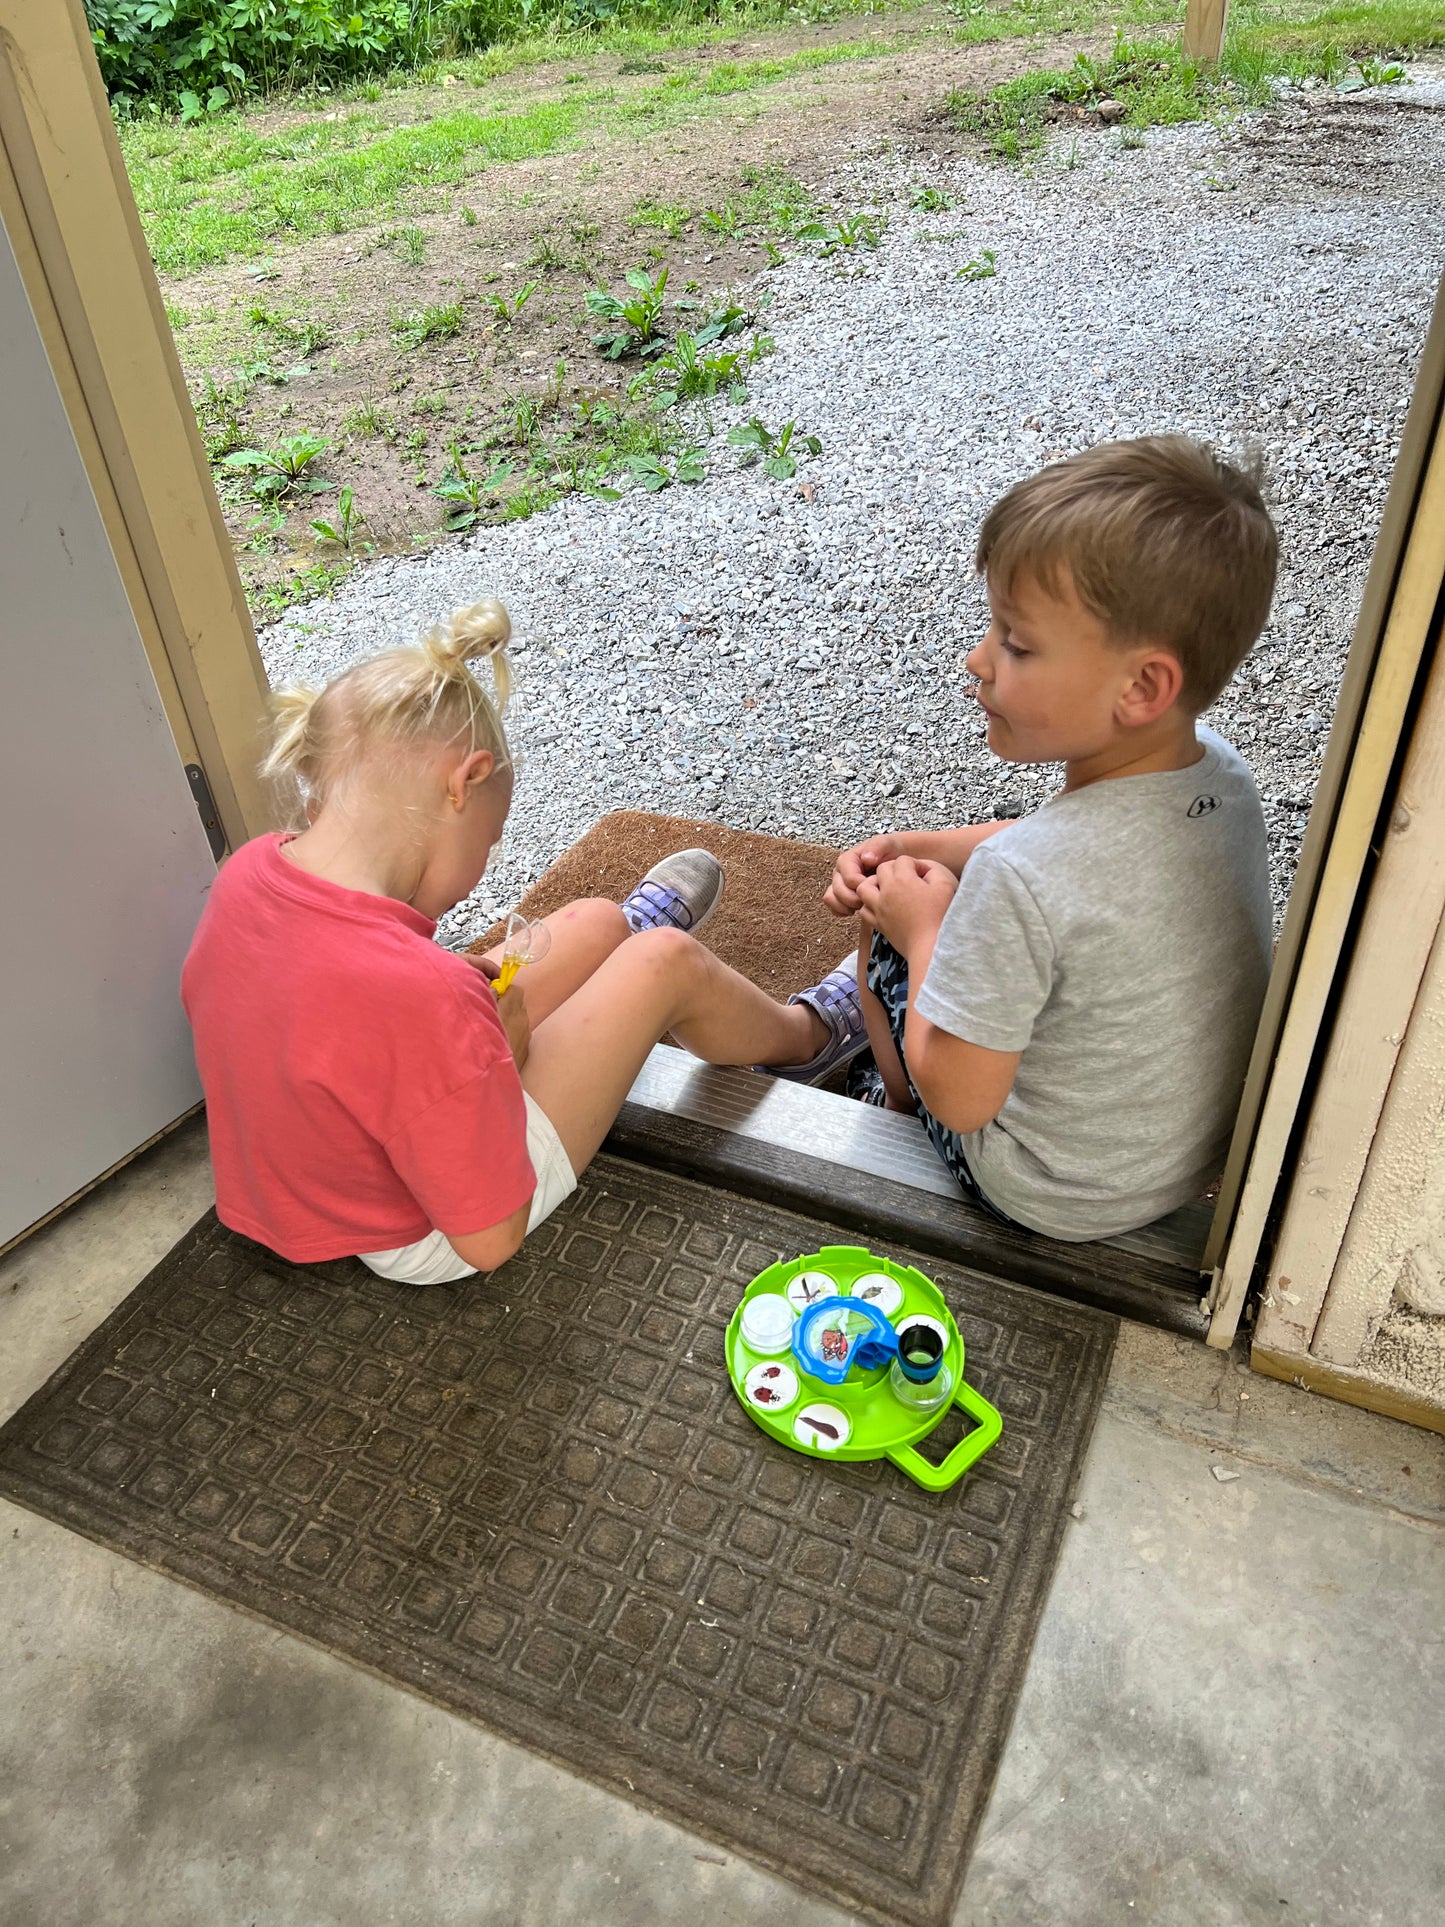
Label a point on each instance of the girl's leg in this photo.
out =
(586, 1055)
(880, 1036)
(583, 934)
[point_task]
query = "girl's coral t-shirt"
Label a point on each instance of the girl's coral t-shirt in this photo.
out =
(360, 1090)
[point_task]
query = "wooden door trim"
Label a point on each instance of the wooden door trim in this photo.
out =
(98, 305)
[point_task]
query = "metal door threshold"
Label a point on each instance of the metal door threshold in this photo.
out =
(877, 1173)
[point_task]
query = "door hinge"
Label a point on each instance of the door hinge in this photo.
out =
(205, 804)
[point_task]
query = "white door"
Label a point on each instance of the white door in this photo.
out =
(104, 865)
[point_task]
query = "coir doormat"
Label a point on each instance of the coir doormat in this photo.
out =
(771, 923)
(534, 1499)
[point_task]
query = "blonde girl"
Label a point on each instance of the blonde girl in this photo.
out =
(368, 1093)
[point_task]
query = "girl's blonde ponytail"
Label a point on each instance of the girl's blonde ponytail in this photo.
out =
(292, 748)
(423, 695)
(484, 629)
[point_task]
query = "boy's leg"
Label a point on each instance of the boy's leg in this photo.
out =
(880, 1036)
(585, 1057)
(583, 934)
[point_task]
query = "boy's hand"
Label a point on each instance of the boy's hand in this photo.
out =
(854, 867)
(512, 1009)
(906, 899)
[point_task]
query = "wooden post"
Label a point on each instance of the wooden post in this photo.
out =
(1204, 30)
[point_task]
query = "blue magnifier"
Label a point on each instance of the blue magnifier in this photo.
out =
(838, 1335)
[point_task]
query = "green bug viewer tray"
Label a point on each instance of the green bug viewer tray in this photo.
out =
(812, 1351)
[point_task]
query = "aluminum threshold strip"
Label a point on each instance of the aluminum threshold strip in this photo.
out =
(835, 1130)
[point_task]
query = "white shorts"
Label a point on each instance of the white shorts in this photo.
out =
(433, 1261)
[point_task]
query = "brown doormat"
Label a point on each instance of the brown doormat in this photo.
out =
(771, 924)
(535, 1500)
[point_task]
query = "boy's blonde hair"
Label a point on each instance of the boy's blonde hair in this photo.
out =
(1164, 543)
(403, 698)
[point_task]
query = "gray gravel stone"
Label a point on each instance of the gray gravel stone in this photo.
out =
(784, 664)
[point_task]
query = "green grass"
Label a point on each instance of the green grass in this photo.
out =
(770, 198)
(221, 191)
(428, 324)
(670, 216)
(1368, 27)
(1159, 87)
(320, 579)
(692, 26)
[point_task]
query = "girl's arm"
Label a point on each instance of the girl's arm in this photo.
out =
(485, 1250)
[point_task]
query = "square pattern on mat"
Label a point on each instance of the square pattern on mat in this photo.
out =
(535, 1499)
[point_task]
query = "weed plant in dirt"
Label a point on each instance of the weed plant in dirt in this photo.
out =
(543, 377)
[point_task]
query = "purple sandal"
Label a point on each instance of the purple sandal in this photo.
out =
(837, 1002)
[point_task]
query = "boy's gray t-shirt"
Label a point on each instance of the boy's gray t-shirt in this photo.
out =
(1119, 938)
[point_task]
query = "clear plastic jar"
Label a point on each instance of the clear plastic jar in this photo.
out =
(767, 1324)
(924, 1395)
(918, 1375)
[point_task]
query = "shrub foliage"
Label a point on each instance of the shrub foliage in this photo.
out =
(200, 55)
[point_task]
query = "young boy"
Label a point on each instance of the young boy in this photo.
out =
(1069, 1000)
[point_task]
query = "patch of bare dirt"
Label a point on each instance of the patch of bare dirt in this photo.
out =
(1341, 144)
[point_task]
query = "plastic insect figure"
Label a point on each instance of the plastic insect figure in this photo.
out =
(835, 1346)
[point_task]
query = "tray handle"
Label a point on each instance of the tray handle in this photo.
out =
(988, 1424)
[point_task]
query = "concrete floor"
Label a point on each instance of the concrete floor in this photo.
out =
(1232, 1714)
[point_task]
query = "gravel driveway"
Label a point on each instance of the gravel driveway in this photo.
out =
(739, 652)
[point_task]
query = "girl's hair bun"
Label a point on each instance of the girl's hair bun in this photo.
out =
(291, 734)
(484, 629)
(480, 630)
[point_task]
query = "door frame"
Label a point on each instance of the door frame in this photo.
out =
(1388, 657)
(68, 209)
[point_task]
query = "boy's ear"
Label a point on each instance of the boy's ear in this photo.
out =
(1157, 684)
